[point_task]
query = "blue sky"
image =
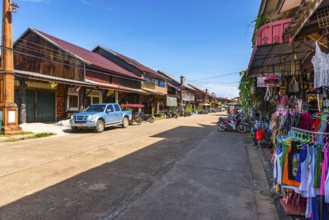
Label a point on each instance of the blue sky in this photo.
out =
(206, 41)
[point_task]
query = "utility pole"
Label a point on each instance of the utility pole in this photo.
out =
(181, 105)
(206, 96)
(8, 108)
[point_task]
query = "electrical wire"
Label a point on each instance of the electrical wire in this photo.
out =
(50, 56)
(75, 62)
(225, 74)
(44, 51)
(78, 67)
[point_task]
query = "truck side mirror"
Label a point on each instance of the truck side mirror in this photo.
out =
(108, 110)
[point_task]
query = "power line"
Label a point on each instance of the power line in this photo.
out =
(217, 76)
(78, 67)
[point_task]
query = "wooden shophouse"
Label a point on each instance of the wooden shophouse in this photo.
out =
(175, 87)
(55, 78)
(153, 83)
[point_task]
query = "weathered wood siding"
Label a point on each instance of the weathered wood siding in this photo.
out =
(60, 102)
(35, 54)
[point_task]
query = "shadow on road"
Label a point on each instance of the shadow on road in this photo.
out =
(106, 190)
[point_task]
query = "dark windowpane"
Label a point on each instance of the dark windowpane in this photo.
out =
(73, 101)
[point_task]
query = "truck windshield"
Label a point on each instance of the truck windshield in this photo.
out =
(95, 108)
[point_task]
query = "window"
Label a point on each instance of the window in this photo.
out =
(110, 108)
(162, 84)
(96, 108)
(73, 102)
(96, 100)
(117, 108)
(94, 97)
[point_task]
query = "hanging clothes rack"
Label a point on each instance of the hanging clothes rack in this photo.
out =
(325, 134)
(309, 132)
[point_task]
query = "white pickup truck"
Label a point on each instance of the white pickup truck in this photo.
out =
(100, 116)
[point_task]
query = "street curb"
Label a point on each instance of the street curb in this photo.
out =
(269, 176)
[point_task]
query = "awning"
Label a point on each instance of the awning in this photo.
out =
(277, 58)
(116, 87)
(154, 92)
(274, 54)
(175, 87)
(47, 78)
(132, 106)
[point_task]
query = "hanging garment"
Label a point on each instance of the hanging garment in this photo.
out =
(317, 171)
(326, 191)
(277, 169)
(321, 68)
(311, 192)
(324, 169)
(290, 168)
(305, 158)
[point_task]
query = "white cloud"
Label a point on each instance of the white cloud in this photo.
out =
(38, 1)
(87, 3)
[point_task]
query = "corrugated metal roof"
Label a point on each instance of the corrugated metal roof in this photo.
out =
(117, 87)
(134, 63)
(47, 78)
(176, 80)
(85, 55)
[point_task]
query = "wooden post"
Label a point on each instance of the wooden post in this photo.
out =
(7, 90)
(22, 94)
(181, 105)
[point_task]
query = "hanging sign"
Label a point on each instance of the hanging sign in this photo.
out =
(171, 101)
(273, 80)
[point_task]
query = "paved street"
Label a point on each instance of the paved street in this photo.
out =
(172, 169)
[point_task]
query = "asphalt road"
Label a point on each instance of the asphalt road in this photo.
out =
(172, 169)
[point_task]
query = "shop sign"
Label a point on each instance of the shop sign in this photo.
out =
(188, 96)
(171, 101)
(270, 80)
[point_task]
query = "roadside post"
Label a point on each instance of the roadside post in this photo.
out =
(0, 122)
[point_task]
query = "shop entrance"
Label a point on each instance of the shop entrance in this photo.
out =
(40, 106)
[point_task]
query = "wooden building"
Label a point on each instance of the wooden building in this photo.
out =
(55, 78)
(153, 83)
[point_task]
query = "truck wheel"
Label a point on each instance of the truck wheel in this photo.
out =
(151, 119)
(100, 126)
(125, 122)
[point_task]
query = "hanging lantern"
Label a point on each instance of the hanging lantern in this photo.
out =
(293, 65)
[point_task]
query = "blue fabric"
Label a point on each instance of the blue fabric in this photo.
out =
(315, 208)
(302, 157)
(316, 212)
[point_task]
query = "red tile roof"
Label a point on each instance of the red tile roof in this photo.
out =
(86, 55)
(135, 63)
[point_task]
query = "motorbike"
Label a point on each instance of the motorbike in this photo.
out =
(230, 125)
(171, 115)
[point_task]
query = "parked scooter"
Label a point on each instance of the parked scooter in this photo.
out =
(230, 124)
(171, 115)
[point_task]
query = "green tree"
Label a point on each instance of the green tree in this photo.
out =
(247, 98)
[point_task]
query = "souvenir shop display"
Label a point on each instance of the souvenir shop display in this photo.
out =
(300, 162)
